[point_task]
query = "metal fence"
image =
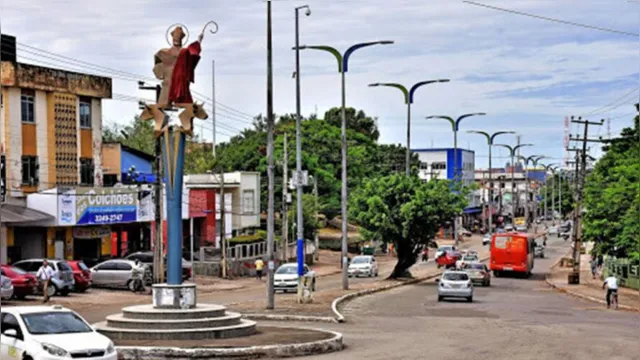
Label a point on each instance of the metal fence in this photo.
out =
(625, 270)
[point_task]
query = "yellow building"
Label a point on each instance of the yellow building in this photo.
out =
(51, 137)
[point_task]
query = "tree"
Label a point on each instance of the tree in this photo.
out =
(310, 223)
(406, 212)
(612, 198)
(356, 120)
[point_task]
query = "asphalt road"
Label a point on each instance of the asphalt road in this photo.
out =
(513, 319)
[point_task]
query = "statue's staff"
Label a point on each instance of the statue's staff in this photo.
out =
(212, 31)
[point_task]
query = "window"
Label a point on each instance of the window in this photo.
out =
(438, 166)
(30, 170)
(122, 266)
(248, 199)
(85, 113)
(9, 321)
(109, 265)
(424, 165)
(86, 171)
(27, 101)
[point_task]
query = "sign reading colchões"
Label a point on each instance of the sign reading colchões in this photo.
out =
(98, 206)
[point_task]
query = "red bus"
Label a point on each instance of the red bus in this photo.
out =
(512, 252)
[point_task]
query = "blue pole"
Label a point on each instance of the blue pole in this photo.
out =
(173, 156)
(300, 256)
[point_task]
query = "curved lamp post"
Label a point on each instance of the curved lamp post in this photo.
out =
(490, 139)
(408, 99)
(512, 152)
(526, 161)
(343, 67)
(548, 168)
(455, 125)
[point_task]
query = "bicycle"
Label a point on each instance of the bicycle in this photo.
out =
(614, 299)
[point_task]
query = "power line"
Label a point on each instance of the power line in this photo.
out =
(592, 27)
(623, 98)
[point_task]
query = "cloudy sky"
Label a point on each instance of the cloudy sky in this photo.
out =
(527, 74)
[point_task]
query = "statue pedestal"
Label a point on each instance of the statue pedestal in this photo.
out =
(167, 296)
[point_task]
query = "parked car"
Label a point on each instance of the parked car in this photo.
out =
(486, 239)
(62, 282)
(521, 228)
(508, 227)
(50, 332)
(479, 273)
(146, 257)
(24, 284)
(116, 273)
(6, 288)
(286, 277)
(364, 265)
(455, 284)
(81, 275)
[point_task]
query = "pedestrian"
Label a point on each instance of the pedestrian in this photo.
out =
(44, 275)
(594, 267)
(259, 266)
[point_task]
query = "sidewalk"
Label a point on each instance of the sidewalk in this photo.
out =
(589, 288)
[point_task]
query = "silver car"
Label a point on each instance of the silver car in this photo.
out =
(62, 281)
(116, 273)
(455, 284)
(6, 288)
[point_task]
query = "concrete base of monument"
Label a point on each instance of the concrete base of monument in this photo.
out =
(167, 296)
(268, 342)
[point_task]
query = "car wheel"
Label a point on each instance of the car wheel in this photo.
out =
(26, 357)
(21, 296)
(52, 290)
(376, 273)
(439, 298)
(470, 299)
(64, 292)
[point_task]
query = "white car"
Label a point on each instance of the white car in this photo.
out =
(286, 277)
(364, 265)
(521, 228)
(443, 249)
(49, 333)
(508, 227)
(6, 288)
(486, 239)
(455, 284)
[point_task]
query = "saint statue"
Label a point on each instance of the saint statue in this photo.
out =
(175, 66)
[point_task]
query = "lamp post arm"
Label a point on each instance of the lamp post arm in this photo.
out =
(328, 49)
(400, 87)
(422, 83)
(495, 134)
(347, 54)
(448, 118)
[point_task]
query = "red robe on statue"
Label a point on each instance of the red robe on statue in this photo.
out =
(183, 72)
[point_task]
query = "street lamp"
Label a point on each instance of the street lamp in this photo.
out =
(526, 161)
(490, 139)
(343, 67)
(300, 245)
(455, 125)
(548, 168)
(408, 99)
(512, 151)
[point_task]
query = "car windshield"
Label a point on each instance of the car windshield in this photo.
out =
(18, 271)
(445, 248)
(82, 266)
(471, 257)
(455, 276)
(360, 260)
(474, 266)
(54, 323)
(63, 266)
(287, 270)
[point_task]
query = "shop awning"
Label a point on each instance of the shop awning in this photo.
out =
(472, 210)
(15, 215)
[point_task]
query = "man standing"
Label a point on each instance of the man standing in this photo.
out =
(259, 266)
(44, 275)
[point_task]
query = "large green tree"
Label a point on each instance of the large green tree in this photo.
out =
(405, 211)
(612, 198)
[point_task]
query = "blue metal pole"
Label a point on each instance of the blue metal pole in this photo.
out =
(173, 145)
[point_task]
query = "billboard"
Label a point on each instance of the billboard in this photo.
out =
(103, 206)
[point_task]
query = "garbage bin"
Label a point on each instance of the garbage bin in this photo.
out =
(368, 250)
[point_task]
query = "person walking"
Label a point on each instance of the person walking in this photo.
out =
(44, 275)
(259, 266)
(594, 267)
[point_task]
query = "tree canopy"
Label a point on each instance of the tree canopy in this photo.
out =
(405, 211)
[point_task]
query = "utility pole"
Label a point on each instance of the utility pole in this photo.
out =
(271, 182)
(285, 193)
(213, 103)
(223, 228)
(560, 194)
(574, 277)
(315, 236)
(158, 259)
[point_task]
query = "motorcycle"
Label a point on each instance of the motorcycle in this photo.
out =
(140, 277)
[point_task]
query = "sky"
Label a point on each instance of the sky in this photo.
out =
(526, 74)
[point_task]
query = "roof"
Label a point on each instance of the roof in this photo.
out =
(137, 152)
(442, 149)
(21, 215)
(34, 309)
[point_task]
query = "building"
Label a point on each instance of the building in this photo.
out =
(438, 164)
(118, 160)
(50, 136)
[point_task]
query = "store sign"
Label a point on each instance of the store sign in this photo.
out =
(91, 232)
(106, 205)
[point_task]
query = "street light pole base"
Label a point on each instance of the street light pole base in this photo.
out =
(573, 278)
(167, 296)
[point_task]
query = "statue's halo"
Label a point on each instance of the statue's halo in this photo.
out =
(170, 30)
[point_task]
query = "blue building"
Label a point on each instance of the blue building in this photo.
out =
(438, 163)
(117, 159)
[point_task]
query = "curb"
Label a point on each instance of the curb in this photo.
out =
(278, 317)
(582, 296)
(333, 344)
(344, 298)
